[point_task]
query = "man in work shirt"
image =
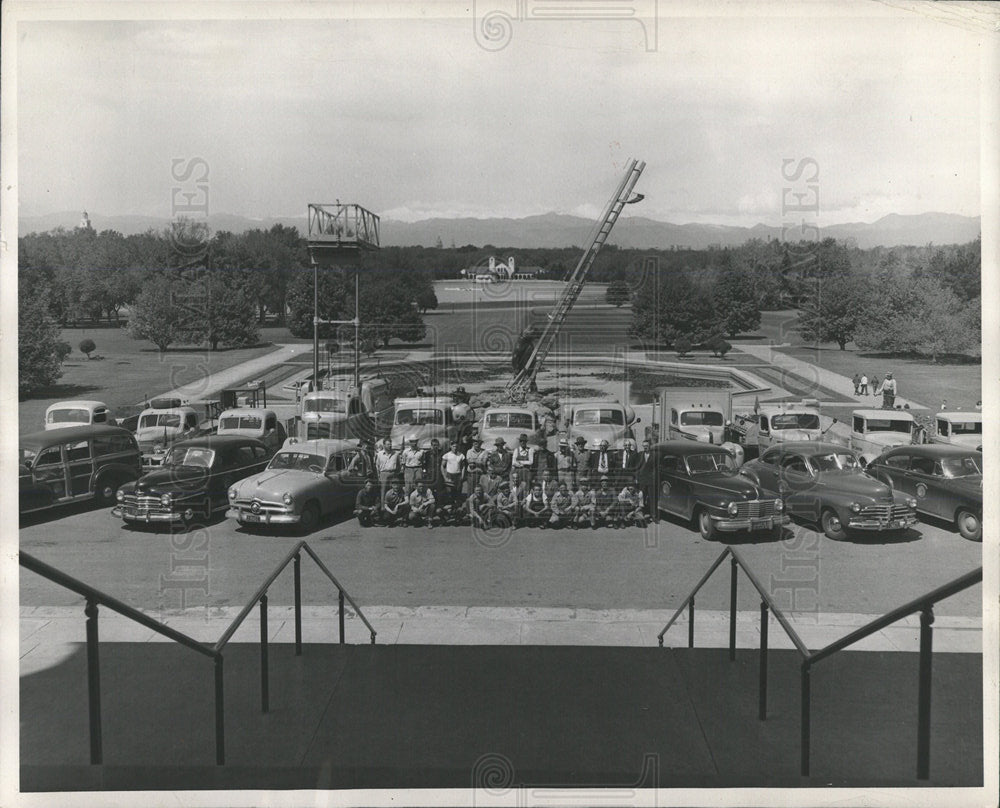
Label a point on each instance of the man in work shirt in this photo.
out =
(475, 464)
(584, 503)
(480, 508)
(506, 505)
(366, 506)
(630, 507)
(582, 455)
(453, 471)
(522, 462)
(605, 504)
(888, 392)
(566, 465)
(413, 465)
(421, 504)
(535, 507)
(387, 465)
(499, 460)
(561, 506)
(395, 504)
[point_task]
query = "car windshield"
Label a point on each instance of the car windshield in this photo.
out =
(885, 425)
(961, 466)
(798, 420)
(966, 427)
(701, 419)
(711, 463)
(509, 420)
(74, 416)
(584, 417)
(166, 419)
(417, 416)
(251, 422)
(301, 461)
(834, 461)
(189, 456)
(325, 405)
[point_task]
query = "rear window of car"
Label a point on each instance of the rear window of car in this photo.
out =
(113, 444)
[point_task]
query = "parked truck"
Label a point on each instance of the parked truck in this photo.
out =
(777, 422)
(876, 431)
(959, 429)
(704, 414)
(345, 412)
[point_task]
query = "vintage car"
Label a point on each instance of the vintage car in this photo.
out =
(304, 482)
(959, 429)
(193, 480)
(875, 431)
(74, 464)
(510, 423)
(825, 484)
(79, 412)
(702, 482)
(164, 422)
(598, 421)
(946, 481)
(253, 422)
(423, 418)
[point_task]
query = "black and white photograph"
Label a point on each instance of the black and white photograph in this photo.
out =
(499, 403)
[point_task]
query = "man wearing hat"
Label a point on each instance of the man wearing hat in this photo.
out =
(522, 462)
(582, 454)
(475, 463)
(888, 392)
(413, 465)
(499, 460)
(506, 505)
(566, 465)
(601, 461)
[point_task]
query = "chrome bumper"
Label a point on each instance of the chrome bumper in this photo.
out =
(145, 516)
(246, 517)
(871, 523)
(728, 524)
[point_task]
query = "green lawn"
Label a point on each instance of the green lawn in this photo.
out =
(918, 379)
(130, 371)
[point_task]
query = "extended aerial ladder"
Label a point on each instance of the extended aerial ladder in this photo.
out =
(524, 378)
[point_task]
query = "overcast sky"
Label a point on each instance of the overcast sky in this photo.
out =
(413, 118)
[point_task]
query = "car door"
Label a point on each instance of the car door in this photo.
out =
(80, 467)
(921, 483)
(937, 499)
(675, 487)
(766, 468)
(49, 474)
(802, 497)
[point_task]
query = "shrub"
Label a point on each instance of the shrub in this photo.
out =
(87, 347)
(683, 347)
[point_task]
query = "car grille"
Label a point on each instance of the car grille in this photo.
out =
(884, 512)
(144, 503)
(755, 509)
(260, 506)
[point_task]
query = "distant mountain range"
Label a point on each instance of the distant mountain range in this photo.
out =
(559, 230)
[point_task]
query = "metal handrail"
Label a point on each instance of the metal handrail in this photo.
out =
(923, 604)
(95, 597)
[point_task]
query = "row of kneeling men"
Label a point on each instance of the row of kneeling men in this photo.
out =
(512, 506)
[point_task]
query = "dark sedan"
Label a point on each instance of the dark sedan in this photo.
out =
(193, 481)
(946, 481)
(701, 482)
(825, 483)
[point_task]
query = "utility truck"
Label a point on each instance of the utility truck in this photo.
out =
(704, 414)
(876, 431)
(345, 412)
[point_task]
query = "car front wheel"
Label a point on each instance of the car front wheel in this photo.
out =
(309, 518)
(706, 525)
(106, 490)
(969, 525)
(832, 526)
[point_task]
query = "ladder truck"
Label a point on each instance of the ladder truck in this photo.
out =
(524, 377)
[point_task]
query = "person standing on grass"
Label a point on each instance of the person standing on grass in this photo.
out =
(873, 383)
(888, 392)
(857, 382)
(387, 465)
(863, 387)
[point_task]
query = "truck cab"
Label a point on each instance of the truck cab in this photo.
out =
(875, 431)
(161, 424)
(346, 412)
(253, 422)
(598, 421)
(787, 422)
(959, 429)
(80, 412)
(424, 418)
(695, 419)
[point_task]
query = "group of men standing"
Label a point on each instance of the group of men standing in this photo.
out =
(526, 485)
(885, 388)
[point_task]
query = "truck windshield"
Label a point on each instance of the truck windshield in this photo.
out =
(252, 422)
(189, 456)
(511, 420)
(696, 418)
(960, 466)
(325, 405)
(73, 416)
(614, 417)
(166, 419)
(300, 461)
(885, 425)
(966, 427)
(414, 416)
(714, 463)
(798, 420)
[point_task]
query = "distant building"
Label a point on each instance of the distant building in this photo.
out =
(500, 271)
(85, 223)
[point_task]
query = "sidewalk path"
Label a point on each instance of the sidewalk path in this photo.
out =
(814, 374)
(49, 634)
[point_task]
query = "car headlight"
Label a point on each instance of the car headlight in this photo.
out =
(165, 500)
(232, 493)
(856, 507)
(732, 509)
(120, 495)
(286, 498)
(779, 506)
(911, 502)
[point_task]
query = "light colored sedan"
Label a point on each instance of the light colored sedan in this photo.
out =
(303, 483)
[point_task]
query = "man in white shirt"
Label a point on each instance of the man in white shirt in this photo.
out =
(421, 504)
(475, 463)
(523, 462)
(387, 465)
(600, 461)
(413, 465)
(453, 469)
